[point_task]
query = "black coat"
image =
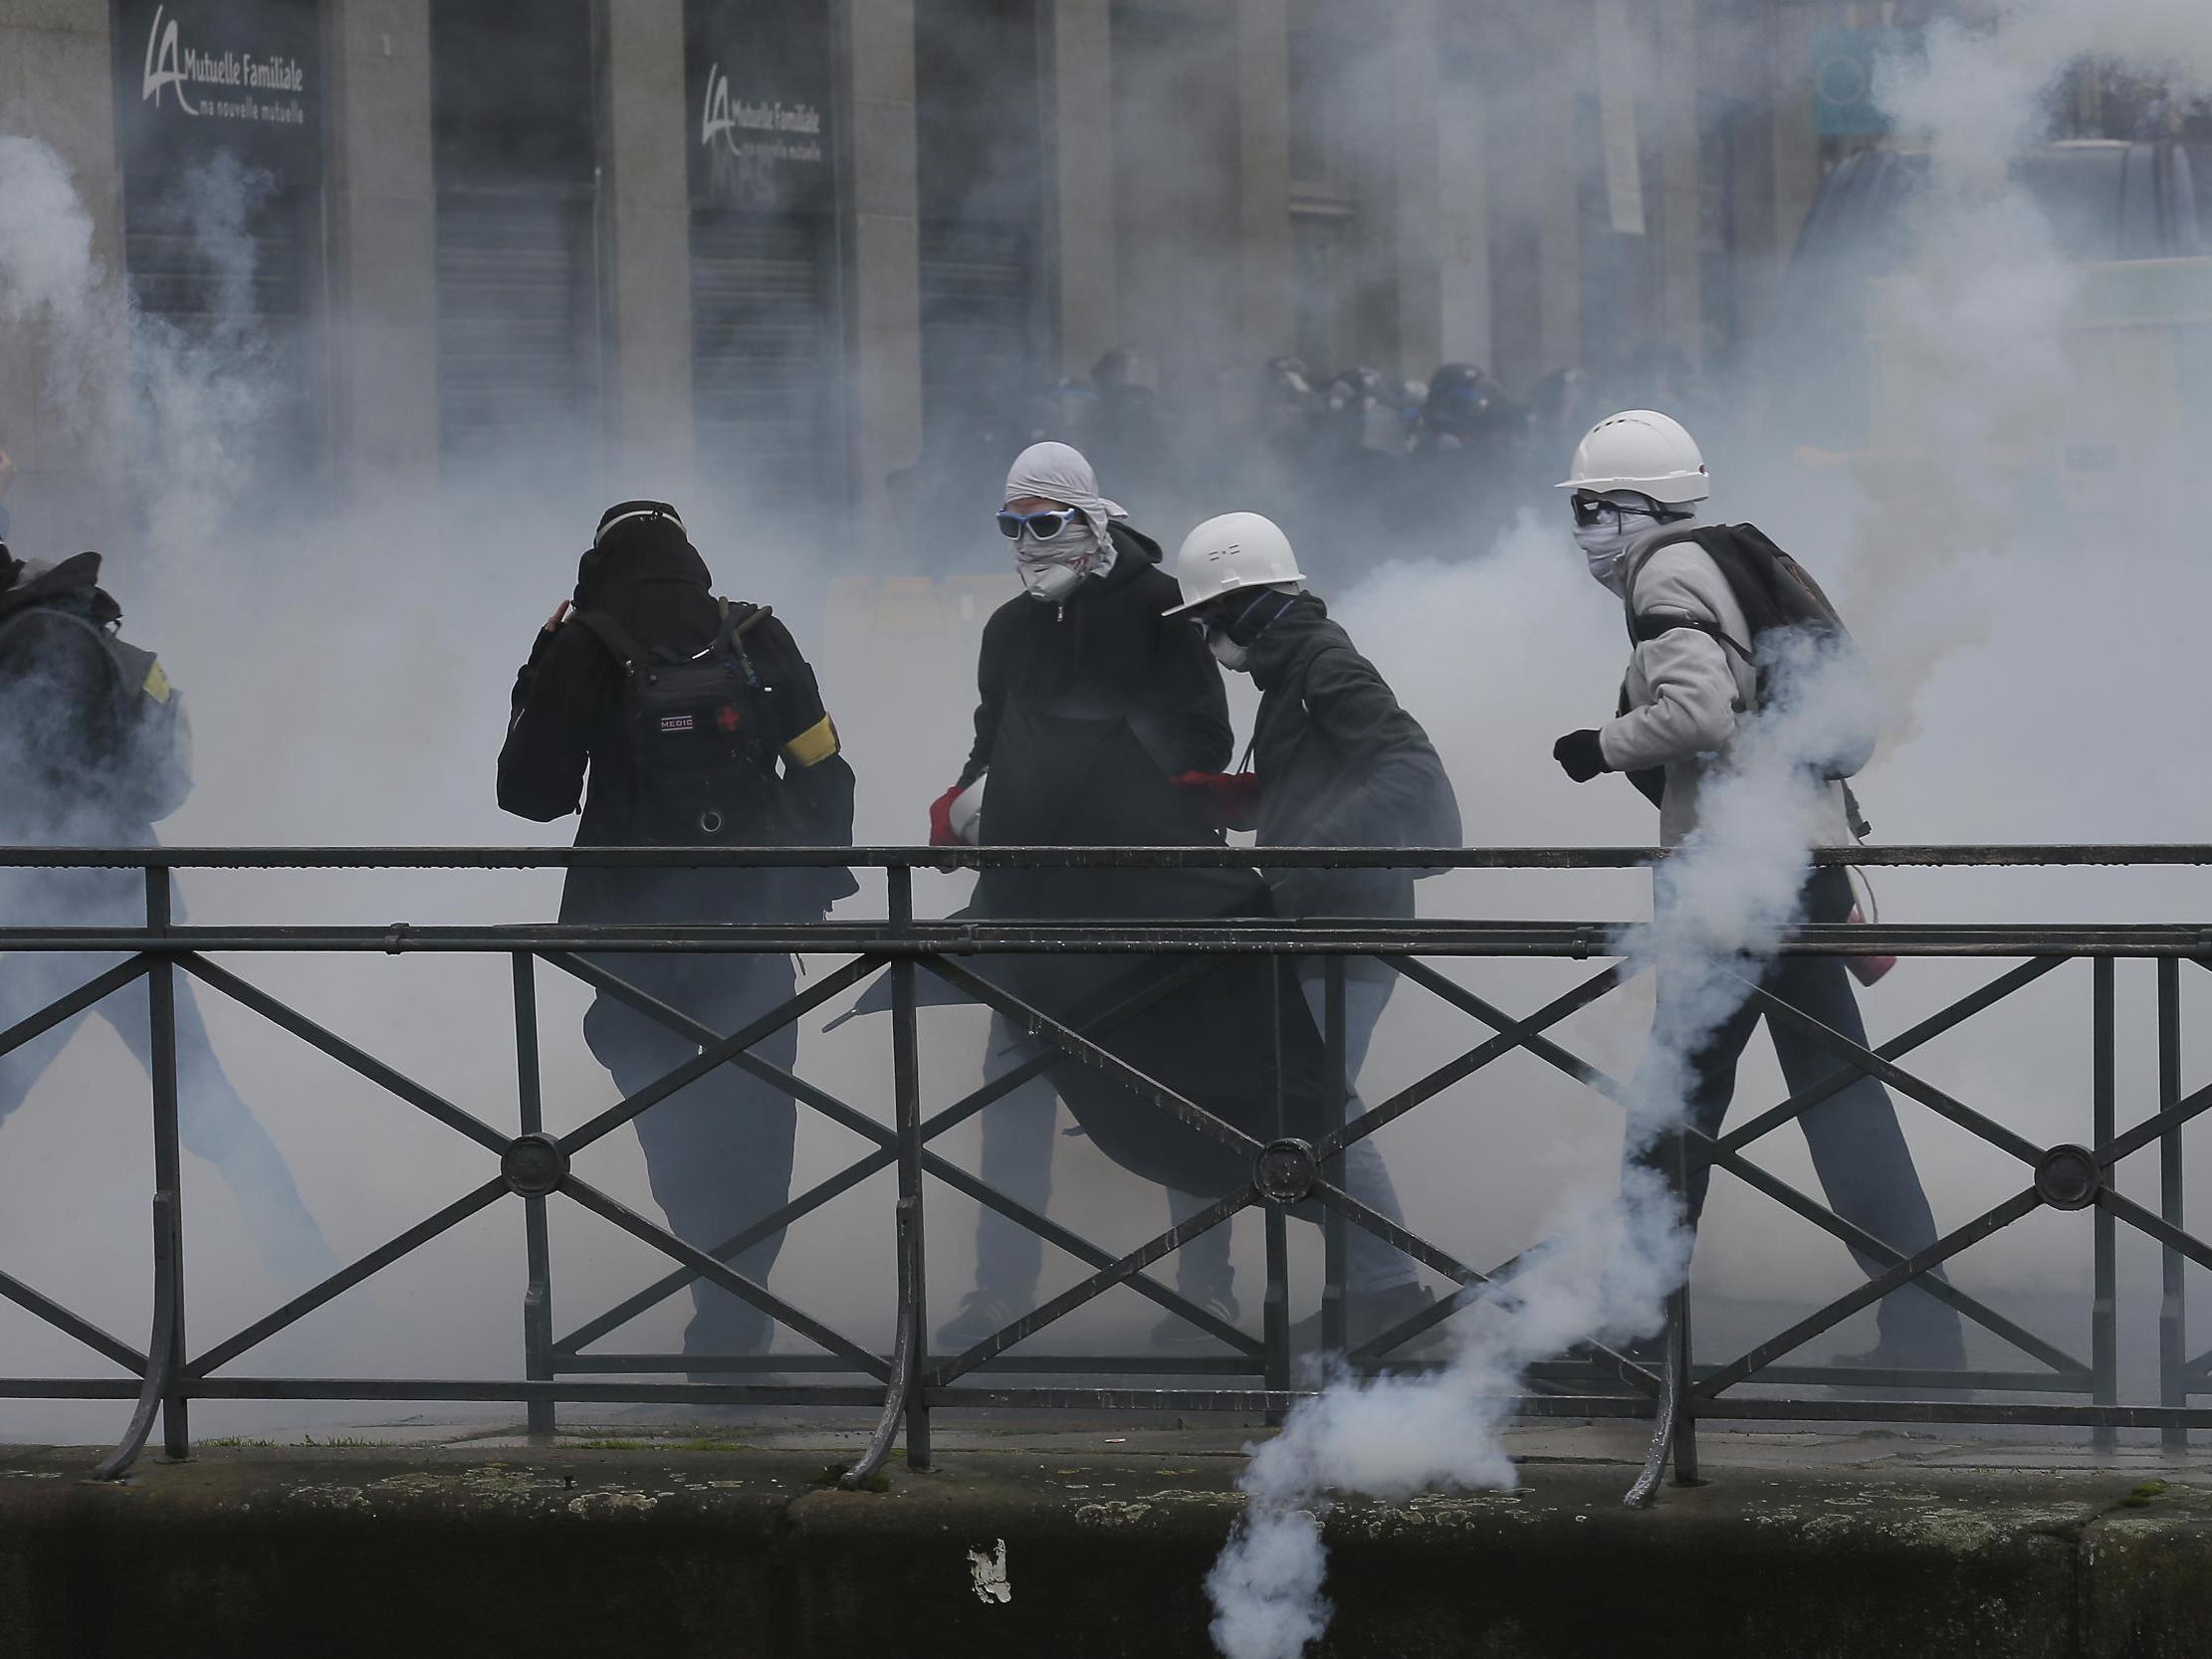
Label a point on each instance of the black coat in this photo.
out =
(74, 769)
(73, 765)
(1339, 765)
(1107, 654)
(569, 720)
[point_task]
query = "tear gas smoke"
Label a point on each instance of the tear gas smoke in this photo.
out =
(1982, 305)
(1606, 1265)
(348, 653)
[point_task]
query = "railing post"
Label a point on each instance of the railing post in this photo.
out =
(168, 1262)
(905, 1085)
(1334, 1315)
(538, 1297)
(1275, 1307)
(2173, 1327)
(2104, 1307)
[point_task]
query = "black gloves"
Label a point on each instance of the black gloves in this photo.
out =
(1579, 755)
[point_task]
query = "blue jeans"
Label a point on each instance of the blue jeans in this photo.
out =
(212, 1120)
(717, 1152)
(1859, 1151)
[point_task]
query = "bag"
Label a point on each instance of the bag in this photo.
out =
(1785, 611)
(1867, 970)
(702, 757)
(137, 742)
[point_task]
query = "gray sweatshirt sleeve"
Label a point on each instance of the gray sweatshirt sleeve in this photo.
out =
(1692, 689)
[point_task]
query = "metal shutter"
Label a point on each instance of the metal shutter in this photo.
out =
(763, 354)
(518, 320)
(183, 269)
(979, 316)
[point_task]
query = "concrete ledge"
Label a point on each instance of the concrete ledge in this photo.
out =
(688, 1549)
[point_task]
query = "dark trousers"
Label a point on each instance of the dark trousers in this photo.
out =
(1858, 1149)
(718, 1152)
(212, 1120)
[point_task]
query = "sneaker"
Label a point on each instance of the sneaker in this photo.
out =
(980, 1316)
(1176, 1332)
(1369, 1315)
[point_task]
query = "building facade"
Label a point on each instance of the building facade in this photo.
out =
(798, 239)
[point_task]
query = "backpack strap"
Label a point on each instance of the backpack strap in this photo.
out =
(613, 636)
(1649, 625)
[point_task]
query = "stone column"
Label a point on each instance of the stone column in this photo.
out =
(1797, 147)
(1082, 212)
(887, 257)
(645, 243)
(383, 254)
(1681, 205)
(1268, 313)
(1462, 224)
(1555, 150)
(55, 81)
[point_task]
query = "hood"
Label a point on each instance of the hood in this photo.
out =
(1303, 627)
(71, 586)
(1134, 553)
(648, 576)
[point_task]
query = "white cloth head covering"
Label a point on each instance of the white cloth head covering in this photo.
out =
(1058, 473)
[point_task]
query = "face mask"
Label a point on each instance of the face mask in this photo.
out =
(1604, 544)
(1052, 570)
(1229, 653)
(1050, 583)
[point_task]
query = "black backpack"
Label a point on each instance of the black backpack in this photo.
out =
(702, 756)
(134, 744)
(1779, 599)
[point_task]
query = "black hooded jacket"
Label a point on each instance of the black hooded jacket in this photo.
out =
(1108, 653)
(76, 763)
(569, 718)
(1339, 765)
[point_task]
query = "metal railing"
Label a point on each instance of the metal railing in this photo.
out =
(536, 1166)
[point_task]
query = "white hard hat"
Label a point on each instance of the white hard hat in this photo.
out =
(1227, 554)
(1644, 451)
(966, 812)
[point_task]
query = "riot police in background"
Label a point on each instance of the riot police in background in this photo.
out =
(95, 752)
(1128, 439)
(1359, 469)
(698, 723)
(1464, 452)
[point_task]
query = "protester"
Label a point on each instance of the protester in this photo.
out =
(1336, 762)
(1693, 682)
(1085, 642)
(698, 723)
(95, 752)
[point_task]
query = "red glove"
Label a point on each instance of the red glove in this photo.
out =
(940, 819)
(1225, 800)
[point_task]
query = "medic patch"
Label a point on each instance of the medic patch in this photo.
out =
(676, 722)
(727, 718)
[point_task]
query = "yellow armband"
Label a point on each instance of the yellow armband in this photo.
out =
(818, 742)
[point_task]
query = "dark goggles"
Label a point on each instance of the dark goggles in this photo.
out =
(1042, 526)
(1592, 511)
(1242, 617)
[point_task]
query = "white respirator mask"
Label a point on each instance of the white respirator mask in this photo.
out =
(1051, 581)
